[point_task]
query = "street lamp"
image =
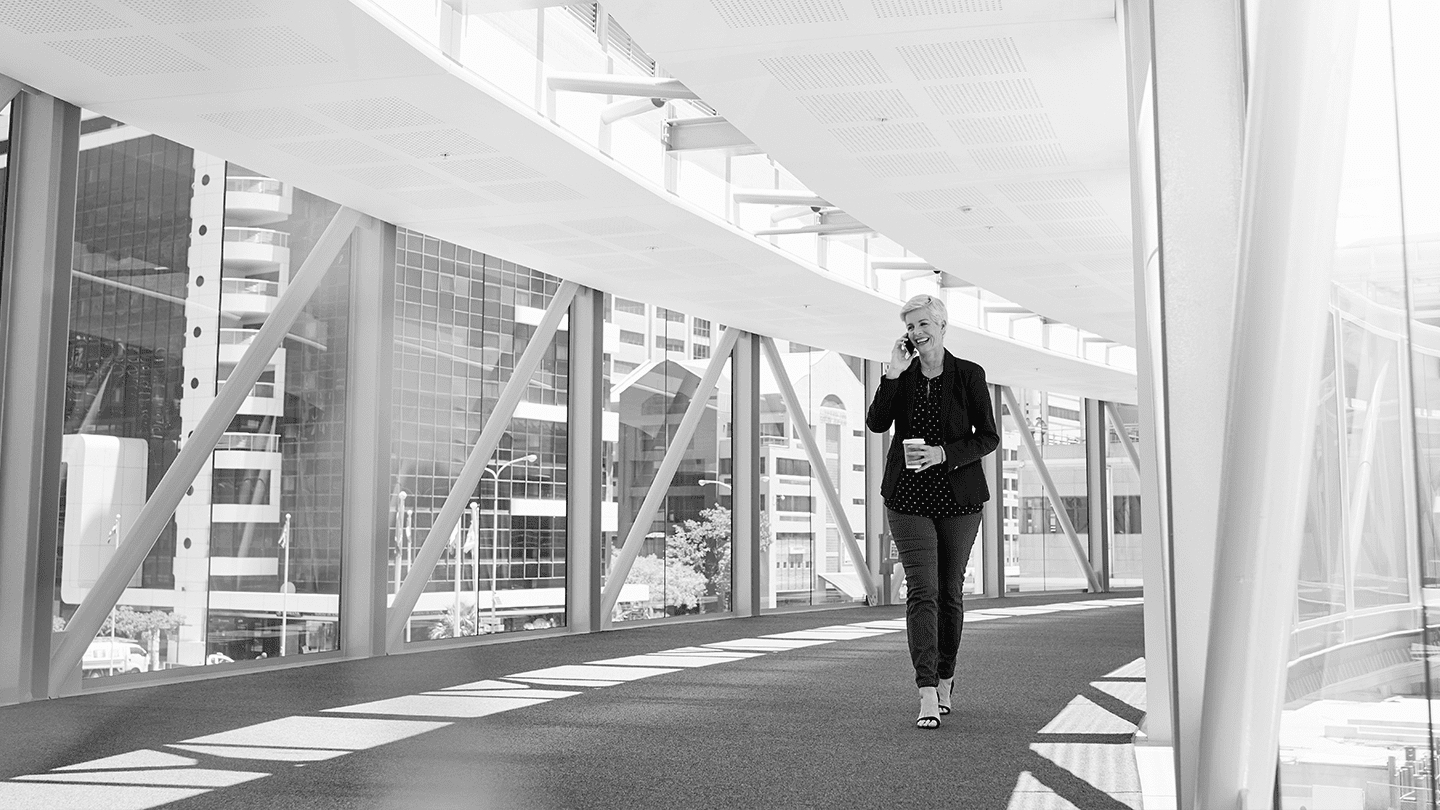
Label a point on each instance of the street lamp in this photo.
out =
(495, 540)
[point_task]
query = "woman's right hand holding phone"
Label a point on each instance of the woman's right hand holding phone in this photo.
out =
(900, 358)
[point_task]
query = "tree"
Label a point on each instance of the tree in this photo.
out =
(139, 625)
(705, 546)
(680, 584)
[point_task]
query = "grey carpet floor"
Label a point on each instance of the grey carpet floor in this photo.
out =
(824, 726)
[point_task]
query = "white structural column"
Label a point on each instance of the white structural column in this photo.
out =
(584, 483)
(822, 473)
(1082, 556)
(34, 322)
(994, 531)
(1097, 479)
(468, 479)
(745, 488)
(364, 558)
(655, 496)
(1293, 157)
(877, 541)
(194, 453)
(1158, 726)
(1198, 113)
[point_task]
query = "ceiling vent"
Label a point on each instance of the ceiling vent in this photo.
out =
(1003, 129)
(395, 175)
(1044, 190)
(908, 164)
(1004, 95)
(257, 47)
(176, 12)
(529, 232)
(545, 191)
(50, 17)
(819, 71)
(1019, 156)
(496, 169)
(885, 137)
(931, 199)
(765, 13)
(605, 226)
(862, 105)
(127, 56)
(1065, 209)
(334, 152)
(963, 59)
(434, 143)
(267, 123)
(386, 112)
(931, 8)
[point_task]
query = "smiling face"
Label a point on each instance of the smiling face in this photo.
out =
(925, 332)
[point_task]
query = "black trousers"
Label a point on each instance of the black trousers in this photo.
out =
(934, 552)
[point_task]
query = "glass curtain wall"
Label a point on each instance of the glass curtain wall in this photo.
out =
(462, 320)
(1359, 721)
(1040, 557)
(179, 259)
(654, 361)
(806, 562)
(1124, 488)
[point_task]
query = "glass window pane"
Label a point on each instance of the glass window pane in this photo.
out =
(503, 568)
(1040, 556)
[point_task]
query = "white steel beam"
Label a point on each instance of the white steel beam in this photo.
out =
(1124, 436)
(628, 108)
(437, 538)
(608, 84)
(822, 473)
(159, 509)
(777, 196)
(655, 496)
(1082, 556)
(1294, 154)
(707, 132)
(9, 88)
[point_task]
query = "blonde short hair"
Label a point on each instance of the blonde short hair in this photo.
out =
(931, 304)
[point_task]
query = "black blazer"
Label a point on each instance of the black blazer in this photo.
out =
(966, 419)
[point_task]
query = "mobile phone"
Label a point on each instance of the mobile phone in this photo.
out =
(909, 345)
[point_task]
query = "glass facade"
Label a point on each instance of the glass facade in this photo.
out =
(684, 562)
(179, 259)
(462, 319)
(1357, 729)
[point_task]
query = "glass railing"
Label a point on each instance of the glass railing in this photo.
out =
(260, 442)
(249, 286)
(259, 236)
(500, 48)
(237, 337)
(255, 185)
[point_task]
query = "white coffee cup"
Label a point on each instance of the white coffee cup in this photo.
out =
(912, 461)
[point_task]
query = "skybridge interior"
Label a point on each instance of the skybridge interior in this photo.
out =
(375, 373)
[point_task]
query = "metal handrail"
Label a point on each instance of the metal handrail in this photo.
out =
(250, 286)
(262, 236)
(237, 337)
(254, 185)
(263, 442)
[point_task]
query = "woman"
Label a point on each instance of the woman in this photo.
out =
(934, 489)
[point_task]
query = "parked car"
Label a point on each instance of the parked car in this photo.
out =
(117, 656)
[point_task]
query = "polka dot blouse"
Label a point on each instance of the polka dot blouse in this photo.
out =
(927, 492)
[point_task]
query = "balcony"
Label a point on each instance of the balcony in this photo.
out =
(248, 297)
(250, 251)
(256, 200)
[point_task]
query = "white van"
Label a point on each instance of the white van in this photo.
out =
(117, 656)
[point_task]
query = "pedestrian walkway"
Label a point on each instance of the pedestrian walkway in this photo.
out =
(811, 709)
